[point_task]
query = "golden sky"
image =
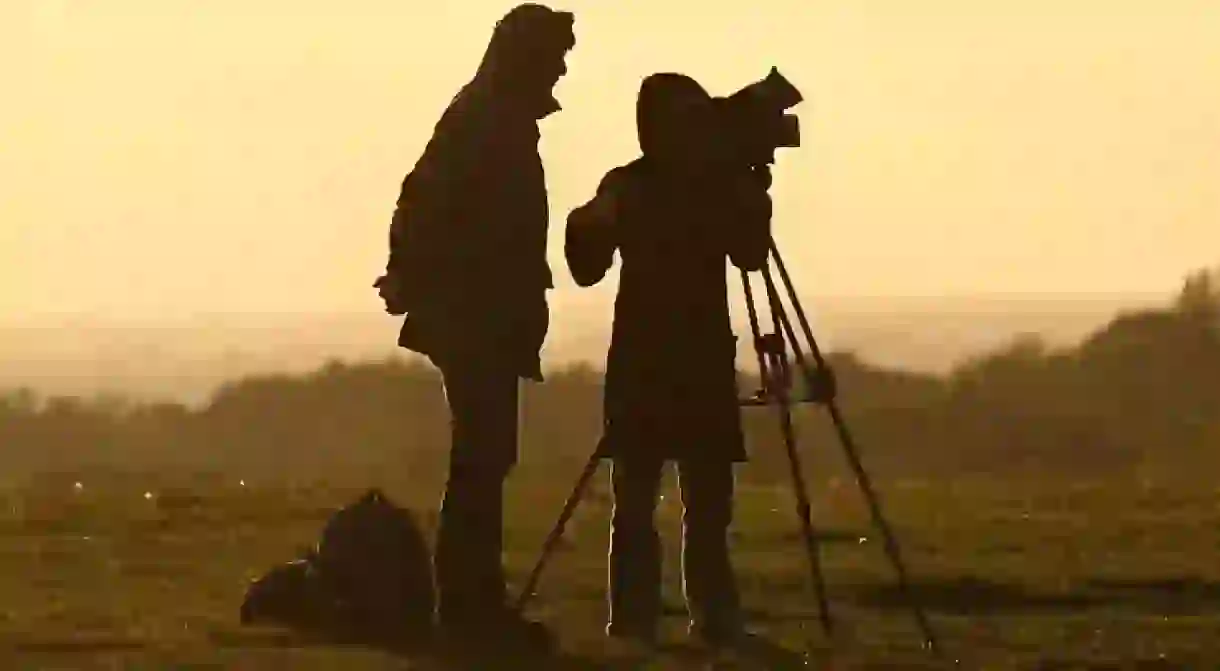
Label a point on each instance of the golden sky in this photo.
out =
(164, 157)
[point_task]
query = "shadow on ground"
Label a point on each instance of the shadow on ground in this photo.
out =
(1174, 595)
(972, 596)
(969, 595)
(421, 655)
(1086, 665)
(977, 596)
(756, 652)
(77, 646)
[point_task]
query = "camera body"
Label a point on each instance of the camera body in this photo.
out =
(757, 121)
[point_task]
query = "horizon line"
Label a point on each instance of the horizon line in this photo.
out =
(1134, 298)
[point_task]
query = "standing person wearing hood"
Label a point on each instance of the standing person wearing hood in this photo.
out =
(676, 216)
(468, 268)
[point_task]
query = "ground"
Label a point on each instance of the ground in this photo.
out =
(135, 574)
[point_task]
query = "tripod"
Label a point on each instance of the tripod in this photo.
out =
(775, 370)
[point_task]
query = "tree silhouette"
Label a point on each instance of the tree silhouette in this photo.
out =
(1144, 389)
(1199, 298)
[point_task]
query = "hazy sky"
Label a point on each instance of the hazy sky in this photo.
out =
(173, 156)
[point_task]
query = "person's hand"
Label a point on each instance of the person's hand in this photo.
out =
(602, 209)
(599, 213)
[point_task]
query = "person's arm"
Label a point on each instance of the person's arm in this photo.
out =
(400, 228)
(474, 201)
(433, 191)
(749, 221)
(590, 237)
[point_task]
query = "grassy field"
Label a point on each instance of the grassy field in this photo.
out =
(142, 573)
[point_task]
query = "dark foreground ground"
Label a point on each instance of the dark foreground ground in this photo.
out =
(1014, 575)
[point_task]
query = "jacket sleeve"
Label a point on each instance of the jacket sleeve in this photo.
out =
(400, 230)
(590, 239)
(474, 206)
(430, 195)
(749, 224)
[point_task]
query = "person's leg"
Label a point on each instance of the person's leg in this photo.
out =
(469, 572)
(635, 550)
(708, 579)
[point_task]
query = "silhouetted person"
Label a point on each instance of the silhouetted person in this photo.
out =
(468, 267)
(674, 215)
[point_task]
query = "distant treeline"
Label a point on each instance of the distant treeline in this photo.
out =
(1140, 394)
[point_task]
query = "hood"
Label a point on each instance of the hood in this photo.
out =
(657, 108)
(524, 57)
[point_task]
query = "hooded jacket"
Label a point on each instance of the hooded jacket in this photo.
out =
(670, 371)
(469, 232)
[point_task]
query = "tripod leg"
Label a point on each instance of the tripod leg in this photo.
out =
(803, 510)
(853, 456)
(548, 547)
(887, 534)
(755, 331)
(781, 367)
(786, 324)
(796, 305)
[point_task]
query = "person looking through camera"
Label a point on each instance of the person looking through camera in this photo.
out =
(674, 215)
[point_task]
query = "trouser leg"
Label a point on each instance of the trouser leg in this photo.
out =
(469, 545)
(708, 579)
(635, 549)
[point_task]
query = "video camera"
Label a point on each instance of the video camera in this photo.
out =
(758, 121)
